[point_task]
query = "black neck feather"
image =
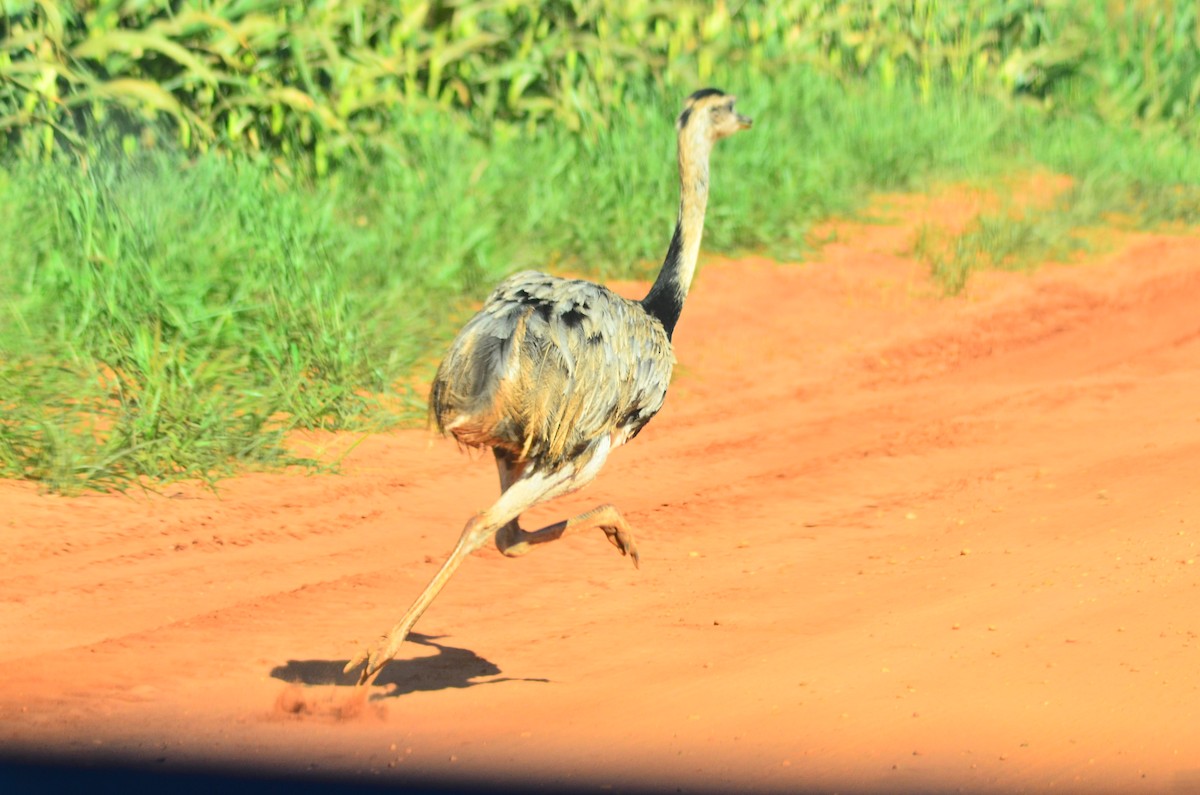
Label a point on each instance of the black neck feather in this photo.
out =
(665, 299)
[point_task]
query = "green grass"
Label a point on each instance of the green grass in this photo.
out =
(1008, 241)
(1123, 178)
(171, 315)
(316, 81)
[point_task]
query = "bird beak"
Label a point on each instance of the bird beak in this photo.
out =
(744, 122)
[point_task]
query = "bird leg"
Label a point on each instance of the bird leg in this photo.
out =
(473, 536)
(524, 492)
(521, 487)
(513, 541)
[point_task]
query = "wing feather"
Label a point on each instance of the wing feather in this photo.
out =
(549, 366)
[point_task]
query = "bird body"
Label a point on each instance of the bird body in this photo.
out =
(552, 374)
(549, 366)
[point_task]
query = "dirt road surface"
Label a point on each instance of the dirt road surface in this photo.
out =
(890, 542)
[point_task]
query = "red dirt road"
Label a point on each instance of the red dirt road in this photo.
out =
(889, 542)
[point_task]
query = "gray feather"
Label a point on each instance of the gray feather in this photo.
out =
(548, 367)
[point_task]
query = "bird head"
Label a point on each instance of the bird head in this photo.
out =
(709, 114)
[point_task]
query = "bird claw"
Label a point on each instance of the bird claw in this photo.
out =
(356, 661)
(622, 539)
(374, 657)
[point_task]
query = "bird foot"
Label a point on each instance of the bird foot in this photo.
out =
(622, 539)
(375, 657)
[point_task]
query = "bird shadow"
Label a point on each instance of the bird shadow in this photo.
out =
(451, 667)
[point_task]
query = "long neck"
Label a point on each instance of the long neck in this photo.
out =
(666, 296)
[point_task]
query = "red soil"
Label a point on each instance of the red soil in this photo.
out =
(889, 541)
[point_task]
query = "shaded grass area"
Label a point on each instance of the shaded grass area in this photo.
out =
(164, 316)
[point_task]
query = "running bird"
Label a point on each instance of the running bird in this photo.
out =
(552, 374)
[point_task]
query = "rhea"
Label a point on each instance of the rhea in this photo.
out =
(552, 374)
